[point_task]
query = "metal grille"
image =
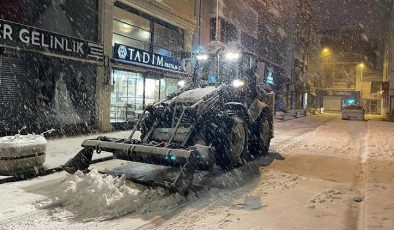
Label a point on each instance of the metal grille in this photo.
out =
(11, 76)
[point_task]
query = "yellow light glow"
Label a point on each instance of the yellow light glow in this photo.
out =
(326, 52)
(361, 65)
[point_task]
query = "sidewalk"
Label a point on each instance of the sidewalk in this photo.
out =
(60, 150)
(379, 188)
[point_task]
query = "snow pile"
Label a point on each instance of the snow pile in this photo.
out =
(21, 153)
(97, 196)
(19, 141)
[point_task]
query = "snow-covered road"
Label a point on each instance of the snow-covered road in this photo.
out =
(336, 175)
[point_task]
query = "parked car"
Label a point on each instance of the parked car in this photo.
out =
(353, 112)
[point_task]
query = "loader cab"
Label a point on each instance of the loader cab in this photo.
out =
(225, 66)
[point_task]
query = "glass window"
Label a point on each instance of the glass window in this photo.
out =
(132, 19)
(171, 85)
(130, 31)
(157, 90)
(167, 38)
(129, 42)
(127, 97)
(162, 51)
(130, 35)
(152, 91)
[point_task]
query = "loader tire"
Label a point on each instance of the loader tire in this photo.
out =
(261, 130)
(231, 143)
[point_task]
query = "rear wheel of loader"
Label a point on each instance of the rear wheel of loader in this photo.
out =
(261, 144)
(231, 143)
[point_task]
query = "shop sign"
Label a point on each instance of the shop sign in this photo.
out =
(136, 56)
(22, 36)
(340, 93)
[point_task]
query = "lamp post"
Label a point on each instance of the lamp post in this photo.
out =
(361, 66)
(324, 54)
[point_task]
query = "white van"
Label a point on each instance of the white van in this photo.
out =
(353, 112)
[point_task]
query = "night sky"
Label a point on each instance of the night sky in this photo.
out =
(334, 14)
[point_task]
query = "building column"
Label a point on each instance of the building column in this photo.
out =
(103, 81)
(188, 47)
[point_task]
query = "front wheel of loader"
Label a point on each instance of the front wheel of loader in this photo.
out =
(259, 146)
(231, 142)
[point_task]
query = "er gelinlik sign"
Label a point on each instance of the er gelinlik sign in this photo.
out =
(22, 36)
(131, 55)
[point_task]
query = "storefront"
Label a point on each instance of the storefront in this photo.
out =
(146, 61)
(336, 100)
(48, 63)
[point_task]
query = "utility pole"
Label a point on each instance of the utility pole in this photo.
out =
(217, 22)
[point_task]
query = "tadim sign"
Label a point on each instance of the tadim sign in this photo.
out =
(22, 36)
(132, 55)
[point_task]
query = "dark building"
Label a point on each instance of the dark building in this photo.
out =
(48, 60)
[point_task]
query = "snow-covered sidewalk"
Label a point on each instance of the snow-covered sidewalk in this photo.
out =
(59, 150)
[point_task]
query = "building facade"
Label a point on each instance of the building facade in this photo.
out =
(388, 69)
(49, 54)
(79, 66)
(147, 44)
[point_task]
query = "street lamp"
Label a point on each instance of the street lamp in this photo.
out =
(326, 52)
(361, 66)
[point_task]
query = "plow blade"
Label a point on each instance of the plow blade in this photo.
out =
(198, 157)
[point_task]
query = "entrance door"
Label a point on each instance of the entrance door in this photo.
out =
(331, 103)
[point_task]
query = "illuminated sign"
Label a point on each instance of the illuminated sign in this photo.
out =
(270, 78)
(132, 55)
(22, 36)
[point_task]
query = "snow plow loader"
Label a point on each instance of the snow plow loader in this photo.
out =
(217, 119)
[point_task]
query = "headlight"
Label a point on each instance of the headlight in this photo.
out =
(232, 56)
(238, 83)
(202, 57)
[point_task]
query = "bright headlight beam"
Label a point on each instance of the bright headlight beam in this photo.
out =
(202, 57)
(238, 83)
(182, 83)
(232, 56)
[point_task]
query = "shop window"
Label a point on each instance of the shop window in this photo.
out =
(132, 19)
(162, 51)
(129, 42)
(170, 39)
(127, 97)
(157, 90)
(128, 34)
(130, 31)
